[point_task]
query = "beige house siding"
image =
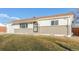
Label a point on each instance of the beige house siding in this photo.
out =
(25, 31)
(53, 30)
(45, 26)
(60, 30)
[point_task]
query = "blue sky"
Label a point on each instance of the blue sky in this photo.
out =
(9, 14)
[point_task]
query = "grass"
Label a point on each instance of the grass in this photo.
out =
(13, 42)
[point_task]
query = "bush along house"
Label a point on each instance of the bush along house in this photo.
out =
(57, 25)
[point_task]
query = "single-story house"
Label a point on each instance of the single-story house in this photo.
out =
(58, 25)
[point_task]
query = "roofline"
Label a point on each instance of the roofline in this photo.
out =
(30, 20)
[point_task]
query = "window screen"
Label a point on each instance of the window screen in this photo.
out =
(23, 25)
(54, 22)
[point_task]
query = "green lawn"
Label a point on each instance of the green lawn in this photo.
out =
(12, 42)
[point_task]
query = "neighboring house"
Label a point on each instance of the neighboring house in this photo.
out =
(2, 28)
(58, 25)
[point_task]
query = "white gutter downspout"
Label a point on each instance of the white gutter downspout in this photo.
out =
(69, 28)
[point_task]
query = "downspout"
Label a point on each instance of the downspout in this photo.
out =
(67, 28)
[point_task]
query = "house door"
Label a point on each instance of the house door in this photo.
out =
(35, 27)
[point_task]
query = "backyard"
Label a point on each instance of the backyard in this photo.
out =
(19, 42)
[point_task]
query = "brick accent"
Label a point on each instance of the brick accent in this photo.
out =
(45, 30)
(2, 29)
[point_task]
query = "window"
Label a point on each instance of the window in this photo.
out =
(23, 25)
(55, 22)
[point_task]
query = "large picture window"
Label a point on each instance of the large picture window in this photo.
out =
(35, 27)
(23, 25)
(55, 22)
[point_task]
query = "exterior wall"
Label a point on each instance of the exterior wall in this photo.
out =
(53, 30)
(62, 21)
(44, 27)
(44, 23)
(17, 26)
(10, 28)
(70, 25)
(30, 25)
(24, 31)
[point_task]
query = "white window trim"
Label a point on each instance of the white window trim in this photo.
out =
(54, 22)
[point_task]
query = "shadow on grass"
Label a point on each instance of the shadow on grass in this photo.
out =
(63, 46)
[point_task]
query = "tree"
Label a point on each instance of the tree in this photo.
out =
(76, 15)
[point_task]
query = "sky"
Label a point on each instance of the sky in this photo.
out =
(9, 14)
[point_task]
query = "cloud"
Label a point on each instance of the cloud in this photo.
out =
(4, 15)
(14, 18)
(5, 18)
